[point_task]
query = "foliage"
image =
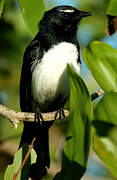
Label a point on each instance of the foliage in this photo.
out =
(78, 135)
(112, 8)
(19, 156)
(32, 15)
(105, 121)
(102, 61)
(1, 6)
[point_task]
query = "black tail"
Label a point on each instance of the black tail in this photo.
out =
(41, 146)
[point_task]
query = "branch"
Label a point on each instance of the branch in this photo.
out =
(96, 95)
(15, 117)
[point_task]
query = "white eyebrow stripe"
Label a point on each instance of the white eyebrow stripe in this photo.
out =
(67, 10)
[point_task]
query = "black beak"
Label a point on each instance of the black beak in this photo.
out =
(85, 14)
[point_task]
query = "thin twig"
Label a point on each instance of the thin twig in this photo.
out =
(25, 159)
(96, 95)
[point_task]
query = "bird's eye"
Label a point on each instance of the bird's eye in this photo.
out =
(66, 15)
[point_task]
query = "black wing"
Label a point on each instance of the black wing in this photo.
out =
(31, 54)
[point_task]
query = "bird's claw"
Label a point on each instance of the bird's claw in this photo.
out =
(60, 114)
(39, 117)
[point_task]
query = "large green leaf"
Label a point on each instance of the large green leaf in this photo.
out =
(101, 59)
(104, 141)
(1, 6)
(78, 136)
(112, 8)
(32, 12)
(19, 156)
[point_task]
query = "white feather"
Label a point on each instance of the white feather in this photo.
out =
(49, 78)
(67, 10)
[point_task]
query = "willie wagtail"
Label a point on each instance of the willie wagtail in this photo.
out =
(44, 85)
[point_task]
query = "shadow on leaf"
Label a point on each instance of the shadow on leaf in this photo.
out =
(70, 170)
(102, 128)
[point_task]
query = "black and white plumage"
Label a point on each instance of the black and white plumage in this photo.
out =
(44, 82)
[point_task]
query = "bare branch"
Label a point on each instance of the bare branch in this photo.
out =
(16, 117)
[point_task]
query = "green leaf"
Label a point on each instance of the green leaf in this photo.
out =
(105, 123)
(112, 8)
(101, 59)
(106, 109)
(1, 6)
(19, 156)
(107, 152)
(32, 12)
(78, 136)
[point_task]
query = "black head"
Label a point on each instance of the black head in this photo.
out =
(64, 15)
(60, 23)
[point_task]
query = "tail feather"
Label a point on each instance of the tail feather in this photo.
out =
(41, 144)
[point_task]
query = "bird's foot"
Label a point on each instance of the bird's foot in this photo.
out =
(60, 114)
(39, 117)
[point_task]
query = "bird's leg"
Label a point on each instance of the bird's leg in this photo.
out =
(38, 116)
(60, 114)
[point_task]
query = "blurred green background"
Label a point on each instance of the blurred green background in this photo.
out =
(15, 35)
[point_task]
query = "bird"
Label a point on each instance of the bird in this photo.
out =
(44, 83)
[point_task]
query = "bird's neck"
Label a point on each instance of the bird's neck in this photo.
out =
(50, 36)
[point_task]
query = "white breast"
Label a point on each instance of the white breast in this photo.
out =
(49, 78)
